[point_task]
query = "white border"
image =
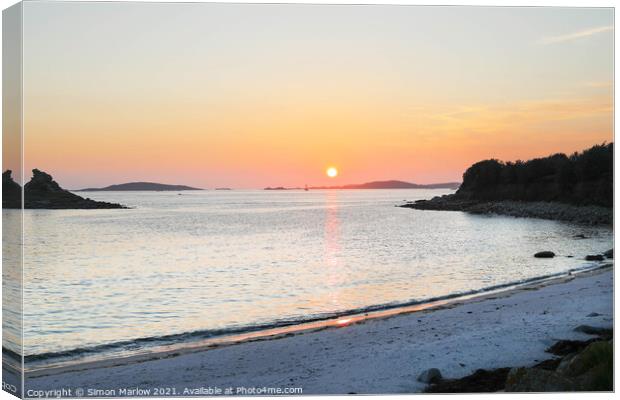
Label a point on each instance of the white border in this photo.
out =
(535, 3)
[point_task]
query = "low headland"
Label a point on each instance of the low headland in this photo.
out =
(576, 188)
(43, 192)
(392, 184)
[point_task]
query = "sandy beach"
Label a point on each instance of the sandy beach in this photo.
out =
(382, 355)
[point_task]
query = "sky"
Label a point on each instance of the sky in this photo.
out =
(248, 96)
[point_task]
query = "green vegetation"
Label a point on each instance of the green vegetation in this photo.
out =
(584, 178)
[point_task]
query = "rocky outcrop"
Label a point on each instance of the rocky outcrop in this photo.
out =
(588, 215)
(42, 192)
(11, 191)
(588, 370)
(537, 380)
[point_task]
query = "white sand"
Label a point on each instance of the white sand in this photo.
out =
(381, 355)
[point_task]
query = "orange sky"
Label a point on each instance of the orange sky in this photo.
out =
(408, 93)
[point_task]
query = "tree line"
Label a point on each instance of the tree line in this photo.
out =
(582, 178)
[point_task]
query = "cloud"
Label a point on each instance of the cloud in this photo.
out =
(489, 120)
(598, 84)
(576, 35)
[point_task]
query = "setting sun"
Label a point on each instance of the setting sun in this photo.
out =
(332, 172)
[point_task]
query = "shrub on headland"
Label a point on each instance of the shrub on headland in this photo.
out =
(584, 178)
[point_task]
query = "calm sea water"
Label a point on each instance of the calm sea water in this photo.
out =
(215, 260)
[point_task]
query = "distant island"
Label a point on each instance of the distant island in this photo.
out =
(576, 188)
(393, 184)
(282, 188)
(42, 192)
(140, 186)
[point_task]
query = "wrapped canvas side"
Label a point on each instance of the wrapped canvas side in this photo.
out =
(12, 201)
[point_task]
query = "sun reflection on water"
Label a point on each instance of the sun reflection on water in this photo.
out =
(332, 246)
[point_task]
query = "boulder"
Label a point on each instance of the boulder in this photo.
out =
(481, 381)
(566, 347)
(593, 330)
(579, 363)
(587, 366)
(594, 257)
(609, 253)
(544, 254)
(537, 380)
(432, 375)
(591, 369)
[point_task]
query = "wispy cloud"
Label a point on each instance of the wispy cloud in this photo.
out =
(514, 117)
(598, 84)
(576, 35)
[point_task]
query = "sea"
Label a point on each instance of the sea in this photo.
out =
(181, 267)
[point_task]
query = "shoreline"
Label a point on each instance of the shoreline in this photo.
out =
(589, 215)
(283, 329)
(168, 362)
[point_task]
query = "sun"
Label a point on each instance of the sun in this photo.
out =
(332, 172)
